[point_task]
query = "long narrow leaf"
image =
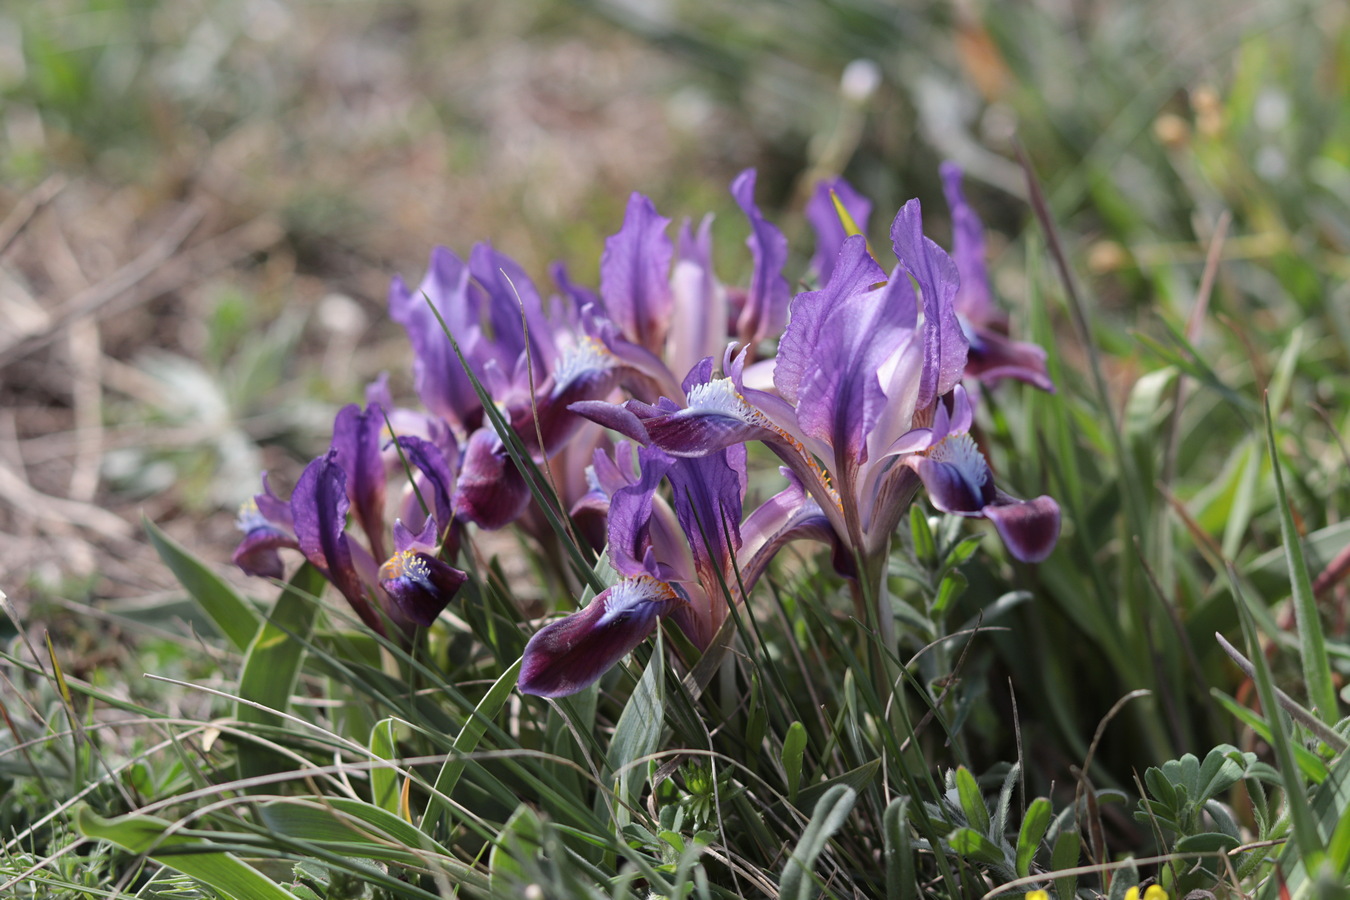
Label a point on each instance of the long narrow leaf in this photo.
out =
(151, 836)
(1316, 666)
(235, 617)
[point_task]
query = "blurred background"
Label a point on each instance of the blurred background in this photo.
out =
(202, 201)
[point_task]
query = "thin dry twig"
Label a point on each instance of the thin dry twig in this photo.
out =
(23, 211)
(157, 271)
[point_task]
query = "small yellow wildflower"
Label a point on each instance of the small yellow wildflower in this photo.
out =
(1036, 895)
(1152, 892)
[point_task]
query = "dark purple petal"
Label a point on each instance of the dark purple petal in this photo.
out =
(429, 459)
(614, 417)
(418, 586)
(357, 438)
(438, 375)
(634, 275)
(973, 299)
(994, 356)
(766, 302)
(824, 218)
(1029, 528)
(491, 492)
(257, 553)
(955, 475)
(319, 506)
(630, 515)
(943, 341)
(572, 653)
(586, 373)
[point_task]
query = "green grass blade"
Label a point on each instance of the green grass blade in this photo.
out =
(272, 663)
(1034, 825)
(638, 734)
(150, 836)
(467, 742)
(384, 782)
(1312, 645)
(794, 746)
(797, 882)
(1306, 836)
(901, 883)
(233, 616)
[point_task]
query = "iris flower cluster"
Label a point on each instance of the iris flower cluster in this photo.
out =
(855, 386)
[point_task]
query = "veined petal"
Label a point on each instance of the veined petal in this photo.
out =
(973, 300)
(357, 437)
(698, 326)
(511, 295)
(956, 475)
(766, 302)
(634, 275)
(438, 375)
(717, 417)
(798, 352)
(572, 653)
(944, 343)
(789, 515)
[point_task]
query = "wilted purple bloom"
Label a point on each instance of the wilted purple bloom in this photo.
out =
(993, 355)
(690, 562)
(861, 410)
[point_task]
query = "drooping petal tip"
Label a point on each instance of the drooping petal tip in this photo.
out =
(572, 653)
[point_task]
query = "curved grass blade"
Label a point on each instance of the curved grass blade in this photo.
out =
(151, 836)
(272, 664)
(796, 882)
(235, 618)
(467, 741)
(1312, 645)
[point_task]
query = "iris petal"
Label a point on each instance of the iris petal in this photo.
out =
(572, 653)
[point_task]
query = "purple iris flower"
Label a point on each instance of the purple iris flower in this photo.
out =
(410, 587)
(865, 406)
(666, 307)
(993, 355)
(533, 359)
(689, 562)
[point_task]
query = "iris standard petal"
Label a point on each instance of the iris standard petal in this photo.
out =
(928, 264)
(572, 653)
(357, 438)
(824, 219)
(973, 299)
(635, 272)
(766, 301)
(491, 492)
